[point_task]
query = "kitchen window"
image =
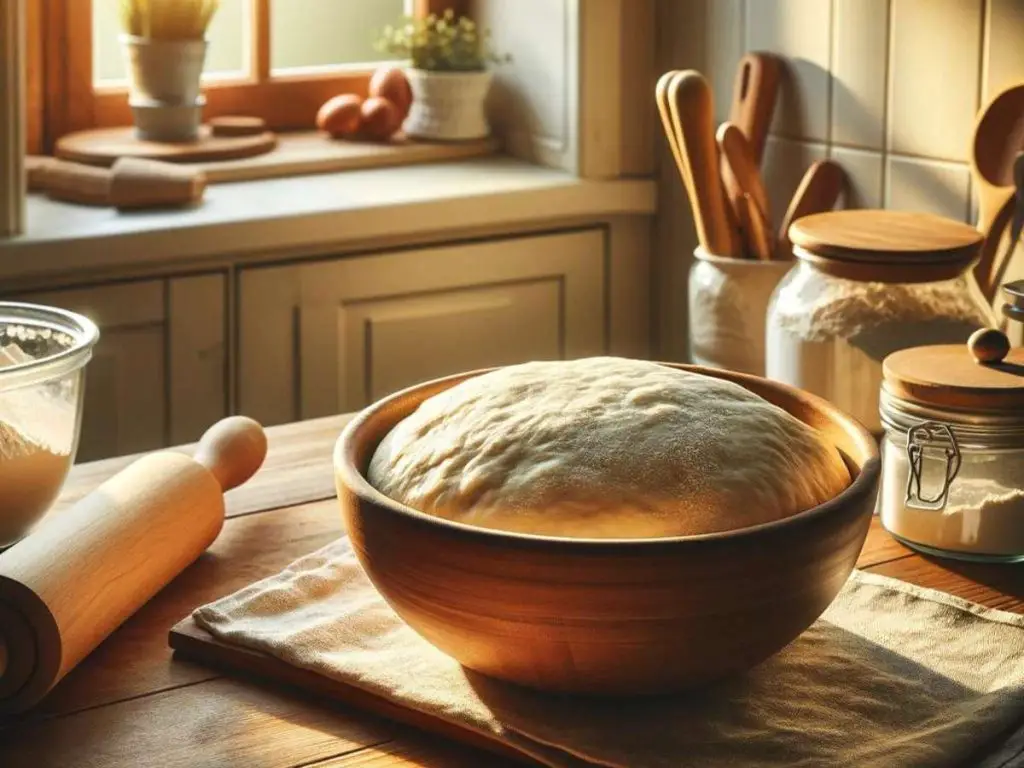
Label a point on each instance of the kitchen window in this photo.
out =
(274, 59)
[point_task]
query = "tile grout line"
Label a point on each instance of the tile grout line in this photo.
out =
(887, 153)
(984, 65)
(830, 107)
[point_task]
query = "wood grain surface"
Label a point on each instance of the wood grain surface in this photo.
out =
(131, 704)
(947, 375)
(886, 236)
(104, 146)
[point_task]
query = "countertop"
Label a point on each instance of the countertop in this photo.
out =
(132, 704)
(313, 213)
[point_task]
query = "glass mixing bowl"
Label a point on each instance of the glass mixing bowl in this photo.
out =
(43, 354)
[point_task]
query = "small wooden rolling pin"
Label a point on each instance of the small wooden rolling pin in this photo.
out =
(81, 573)
(131, 183)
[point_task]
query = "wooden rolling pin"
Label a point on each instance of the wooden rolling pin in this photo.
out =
(81, 573)
(131, 182)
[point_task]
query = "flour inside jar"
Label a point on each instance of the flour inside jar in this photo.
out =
(829, 335)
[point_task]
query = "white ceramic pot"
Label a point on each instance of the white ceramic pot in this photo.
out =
(166, 71)
(156, 121)
(448, 106)
(728, 306)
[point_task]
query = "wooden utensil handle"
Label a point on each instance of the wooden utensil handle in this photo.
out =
(818, 192)
(989, 269)
(692, 116)
(745, 176)
(754, 95)
(233, 450)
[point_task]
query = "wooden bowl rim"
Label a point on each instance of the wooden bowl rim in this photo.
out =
(355, 481)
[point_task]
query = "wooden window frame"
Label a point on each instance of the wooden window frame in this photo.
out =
(61, 98)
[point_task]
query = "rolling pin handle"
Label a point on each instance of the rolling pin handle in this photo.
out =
(233, 450)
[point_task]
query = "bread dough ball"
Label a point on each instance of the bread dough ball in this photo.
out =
(605, 448)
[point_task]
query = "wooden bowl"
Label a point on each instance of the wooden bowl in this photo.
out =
(608, 616)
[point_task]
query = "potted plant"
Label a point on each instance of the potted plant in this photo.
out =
(448, 74)
(164, 43)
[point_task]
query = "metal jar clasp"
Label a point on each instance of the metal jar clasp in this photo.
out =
(931, 442)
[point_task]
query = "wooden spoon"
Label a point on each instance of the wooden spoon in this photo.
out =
(754, 95)
(690, 106)
(998, 137)
(661, 98)
(990, 269)
(818, 192)
(745, 178)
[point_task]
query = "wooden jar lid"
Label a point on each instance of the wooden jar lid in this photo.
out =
(888, 246)
(984, 375)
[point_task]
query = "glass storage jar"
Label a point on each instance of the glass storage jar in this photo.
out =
(953, 453)
(865, 284)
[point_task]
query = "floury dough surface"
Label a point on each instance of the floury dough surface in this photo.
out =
(605, 447)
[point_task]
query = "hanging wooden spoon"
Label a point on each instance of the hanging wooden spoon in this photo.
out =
(690, 106)
(755, 92)
(818, 192)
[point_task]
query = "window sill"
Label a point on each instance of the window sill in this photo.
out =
(321, 214)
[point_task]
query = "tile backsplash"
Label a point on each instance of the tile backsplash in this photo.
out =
(889, 88)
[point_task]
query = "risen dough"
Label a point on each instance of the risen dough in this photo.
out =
(605, 447)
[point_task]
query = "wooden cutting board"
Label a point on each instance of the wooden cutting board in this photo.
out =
(106, 145)
(193, 643)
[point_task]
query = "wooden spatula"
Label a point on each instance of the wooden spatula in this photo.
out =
(691, 115)
(755, 92)
(818, 192)
(744, 176)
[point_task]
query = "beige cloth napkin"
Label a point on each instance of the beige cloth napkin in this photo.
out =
(892, 676)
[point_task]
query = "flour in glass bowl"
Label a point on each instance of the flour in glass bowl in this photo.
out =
(829, 335)
(37, 435)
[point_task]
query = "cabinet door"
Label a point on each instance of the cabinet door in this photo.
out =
(157, 373)
(327, 337)
(197, 355)
(391, 344)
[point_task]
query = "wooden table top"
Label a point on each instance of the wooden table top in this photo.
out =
(132, 704)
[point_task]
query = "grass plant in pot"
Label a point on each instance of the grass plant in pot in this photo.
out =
(164, 44)
(448, 59)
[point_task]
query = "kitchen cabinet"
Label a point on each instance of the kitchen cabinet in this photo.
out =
(157, 376)
(330, 336)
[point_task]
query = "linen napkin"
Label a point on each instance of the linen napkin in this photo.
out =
(891, 676)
